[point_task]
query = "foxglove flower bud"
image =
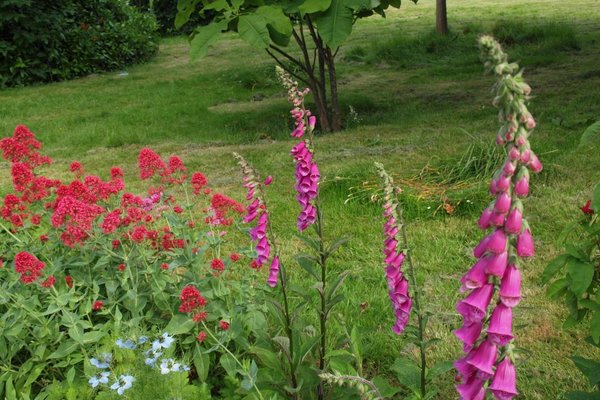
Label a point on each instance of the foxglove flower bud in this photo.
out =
(514, 221)
(525, 244)
(502, 204)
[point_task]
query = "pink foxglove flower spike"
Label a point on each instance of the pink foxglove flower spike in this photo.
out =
(495, 280)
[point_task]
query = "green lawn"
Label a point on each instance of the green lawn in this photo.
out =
(418, 101)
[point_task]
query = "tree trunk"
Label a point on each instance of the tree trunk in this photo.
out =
(441, 17)
(336, 115)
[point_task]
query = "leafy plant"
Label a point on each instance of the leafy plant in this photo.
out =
(51, 41)
(578, 283)
(318, 27)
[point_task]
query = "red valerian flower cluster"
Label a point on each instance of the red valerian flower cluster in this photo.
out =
(192, 302)
(29, 267)
(586, 209)
(223, 207)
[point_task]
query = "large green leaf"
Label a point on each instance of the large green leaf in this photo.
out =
(589, 368)
(553, 267)
(407, 373)
(581, 274)
(591, 135)
(582, 396)
(313, 6)
(205, 37)
(253, 29)
(335, 25)
(276, 19)
(595, 328)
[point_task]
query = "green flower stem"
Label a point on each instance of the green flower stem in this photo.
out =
(10, 233)
(221, 345)
(418, 309)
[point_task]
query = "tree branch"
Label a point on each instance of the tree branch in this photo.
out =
(285, 67)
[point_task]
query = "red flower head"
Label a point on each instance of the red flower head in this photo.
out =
(217, 265)
(69, 281)
(177, 209)
(49, 282)
(150, 163)
(586, 208)
(224, 325)
(198, 317)
(234, 257)
(198, 182)
(76, 168)
(116, 173)
(201, 336)
(98, 304)
(164, 266)
(29, 267)
(122, 267)
(191, 299)
(116, 243)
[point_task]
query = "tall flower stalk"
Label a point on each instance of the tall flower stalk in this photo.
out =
(494, 281)
(394, 229)
(263, 233)
(307, 190)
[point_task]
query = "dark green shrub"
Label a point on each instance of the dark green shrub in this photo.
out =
(165, 12)
(42, 41)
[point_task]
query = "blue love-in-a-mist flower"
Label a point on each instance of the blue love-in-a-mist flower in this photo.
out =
(95, 380)
(165, 343)
(103, 362)
(142, 339)
(126, 344)
(123, 383)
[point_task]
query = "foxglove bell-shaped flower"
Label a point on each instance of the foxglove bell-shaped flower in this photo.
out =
(472, 389)
(484, 359)
(500, 328)
(468, 334)
(474, 307)
(504, 384)
(496, 264)
(273, 272)
(510, 287)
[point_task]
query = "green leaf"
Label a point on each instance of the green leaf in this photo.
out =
(589, 368)
(253, 29)
(202, 363)
(591, 135)
(596, 199)
(65, 348)
(308, 263)
(180, 324)
(205, 37)
(93, 337)
(336, 245)
(276, 18)
(313, 6)
(582, 395)
(581, 275)
(229, 364)
(439, 369)
(553, 267)
(557, 288)
(217, 5)
(335, 25)
(384, 387)
(408, 373)
(333, 288)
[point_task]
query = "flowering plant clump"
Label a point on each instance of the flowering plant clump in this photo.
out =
(490, 358)
(88, 257)
(575, 278)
